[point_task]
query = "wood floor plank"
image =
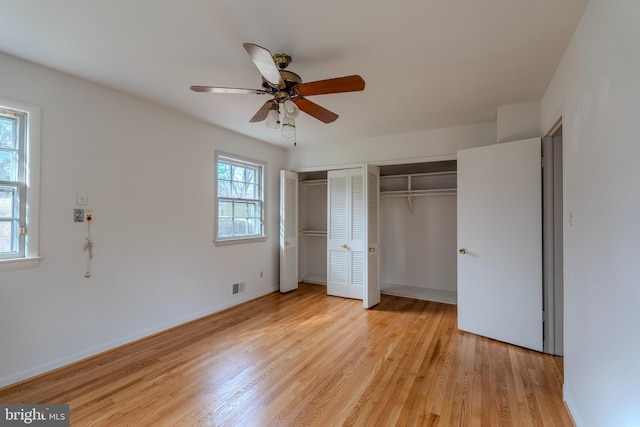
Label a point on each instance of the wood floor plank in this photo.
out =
(308, 359)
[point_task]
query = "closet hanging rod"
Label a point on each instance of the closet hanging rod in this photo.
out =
(418, 193)
(314, 182)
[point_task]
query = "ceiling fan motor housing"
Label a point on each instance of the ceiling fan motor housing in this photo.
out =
(290, 80)
(282, 60)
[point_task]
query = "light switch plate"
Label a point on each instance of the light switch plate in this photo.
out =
(82, 198)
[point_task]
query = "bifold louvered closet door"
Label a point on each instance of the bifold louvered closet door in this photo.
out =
(288, 231)
(346, 234)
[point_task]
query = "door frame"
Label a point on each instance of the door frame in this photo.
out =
(553, 247)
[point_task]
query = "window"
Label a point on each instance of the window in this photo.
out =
(12, 184)
(240, 210)
(19, 150)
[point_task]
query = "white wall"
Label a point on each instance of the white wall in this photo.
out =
(434, 144)
(518, 121)
(596, 89)
(149, 175)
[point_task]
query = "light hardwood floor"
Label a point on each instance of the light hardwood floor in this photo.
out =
(306, 359)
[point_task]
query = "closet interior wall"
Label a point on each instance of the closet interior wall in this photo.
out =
(312, 221)
(418, 231)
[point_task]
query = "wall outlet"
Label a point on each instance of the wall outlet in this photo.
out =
(78, 215)
(88, 215)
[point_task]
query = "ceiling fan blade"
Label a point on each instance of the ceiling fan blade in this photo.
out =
(337, 85)
(315, 110)
(213, 89)
(263, 60)
(262, 112)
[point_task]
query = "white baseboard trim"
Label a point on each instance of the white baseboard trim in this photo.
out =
(108, 346)
(568, 403)
(437, 295)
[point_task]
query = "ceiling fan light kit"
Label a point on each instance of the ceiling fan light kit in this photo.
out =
(288, 127)
(287, 89)
(290, 109)
(273, 117)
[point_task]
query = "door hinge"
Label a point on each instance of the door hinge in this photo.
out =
(23, 230)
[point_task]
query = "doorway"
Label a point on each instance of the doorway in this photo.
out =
(552, 205)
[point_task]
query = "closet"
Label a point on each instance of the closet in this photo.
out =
(337, 238)
(416, 212)
(312, 236)
(418, 230)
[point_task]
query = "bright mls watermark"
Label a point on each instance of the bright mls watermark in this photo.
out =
(36, 415)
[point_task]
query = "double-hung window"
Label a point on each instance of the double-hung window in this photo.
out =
(19, 171)
(240, 199)
(13, 191)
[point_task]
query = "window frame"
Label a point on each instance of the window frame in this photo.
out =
(246, 162)
(28, 184)
(17, 217)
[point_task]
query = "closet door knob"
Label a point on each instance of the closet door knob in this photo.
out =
(344, 246)
(462, 251)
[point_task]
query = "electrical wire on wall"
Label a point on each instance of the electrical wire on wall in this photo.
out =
(88, 247)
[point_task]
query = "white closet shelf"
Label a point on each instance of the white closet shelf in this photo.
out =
(314, 182)
(419, 184)
(315, 233)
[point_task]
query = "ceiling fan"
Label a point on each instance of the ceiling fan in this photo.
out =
(287, 88)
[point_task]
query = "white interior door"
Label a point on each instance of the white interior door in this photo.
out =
(500, 240)
(357, 242)
(338, 277)
(372, 292)
(346, 233)
(288, 231)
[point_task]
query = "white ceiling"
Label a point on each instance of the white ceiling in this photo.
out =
(427, 63)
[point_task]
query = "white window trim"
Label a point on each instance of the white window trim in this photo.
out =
(241, 240)
(31, 257)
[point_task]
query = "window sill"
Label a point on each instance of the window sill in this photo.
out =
(239, 241)
(19, 263)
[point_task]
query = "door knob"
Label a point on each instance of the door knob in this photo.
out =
(372, 250)
(344, 246)
(462, 251)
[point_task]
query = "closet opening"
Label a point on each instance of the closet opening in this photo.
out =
(417, 222)
(312, 223)
(418, 230)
